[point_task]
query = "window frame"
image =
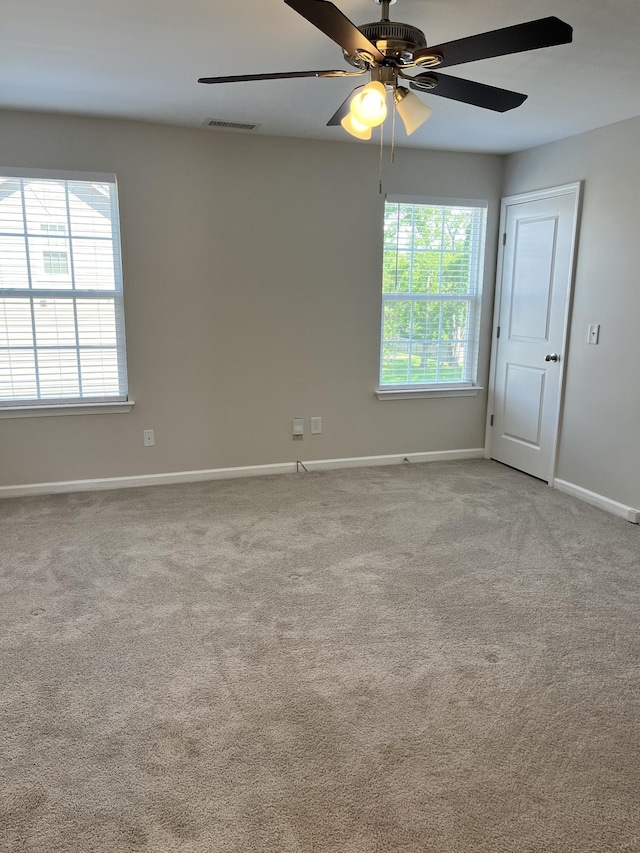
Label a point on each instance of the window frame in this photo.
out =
(469, 386)
(96, 404)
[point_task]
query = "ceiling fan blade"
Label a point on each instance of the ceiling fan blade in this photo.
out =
(285, 75)
(545, 32)
(330, 20)
(343, 109)
(467, 91)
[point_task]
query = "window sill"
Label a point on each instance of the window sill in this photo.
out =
(72, 409)
(424, 393)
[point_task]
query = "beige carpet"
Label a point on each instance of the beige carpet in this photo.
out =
(435, 658)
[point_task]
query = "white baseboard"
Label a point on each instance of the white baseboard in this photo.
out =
(139, 480)
(622, 510)
(394, 459)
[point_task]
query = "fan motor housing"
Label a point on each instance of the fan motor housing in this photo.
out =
(396, 41)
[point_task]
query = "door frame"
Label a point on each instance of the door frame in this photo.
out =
(576, 189)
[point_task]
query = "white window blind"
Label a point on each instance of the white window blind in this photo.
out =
(432, 277)
(61, 309)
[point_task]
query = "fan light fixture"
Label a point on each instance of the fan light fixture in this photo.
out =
(369, 107)
(355, 128)
(411, 109)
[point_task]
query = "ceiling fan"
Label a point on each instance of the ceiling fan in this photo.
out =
(385, 49)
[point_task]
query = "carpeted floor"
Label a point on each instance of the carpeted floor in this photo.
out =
(437, 658)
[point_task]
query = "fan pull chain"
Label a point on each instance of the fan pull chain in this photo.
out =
(381, 149)
(393, 133)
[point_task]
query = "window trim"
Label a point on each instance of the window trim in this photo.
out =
(420, 391)
(44, 410)
(441, 389)
(86, 405)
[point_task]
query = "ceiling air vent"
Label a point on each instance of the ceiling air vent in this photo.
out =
(228, 125)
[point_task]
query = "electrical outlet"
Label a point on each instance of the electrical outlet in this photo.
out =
(316, 426)
(149, 438)
(298, 426)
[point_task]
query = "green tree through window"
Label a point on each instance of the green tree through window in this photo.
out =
(432, 267)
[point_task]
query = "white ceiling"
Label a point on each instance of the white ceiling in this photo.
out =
(140, 59)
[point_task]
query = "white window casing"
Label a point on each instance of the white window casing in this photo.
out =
(433, 259)
(62, 340)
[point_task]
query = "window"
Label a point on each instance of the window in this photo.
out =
(61, 311)
(56, 263)
(432, 276)
(50, 228)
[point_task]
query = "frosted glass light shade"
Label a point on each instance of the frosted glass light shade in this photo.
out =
(355, 128)
(369, 106)
(413, 111)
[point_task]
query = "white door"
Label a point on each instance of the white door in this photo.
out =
(533, 296)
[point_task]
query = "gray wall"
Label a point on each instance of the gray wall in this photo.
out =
(252, 270)
(600, 439)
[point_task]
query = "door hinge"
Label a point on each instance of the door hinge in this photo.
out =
(498, 332)
(491, 420)
(504, 239)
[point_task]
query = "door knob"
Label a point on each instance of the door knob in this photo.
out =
(552, 357)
